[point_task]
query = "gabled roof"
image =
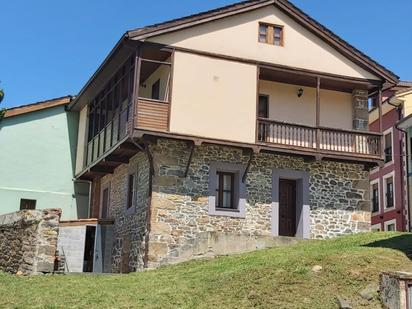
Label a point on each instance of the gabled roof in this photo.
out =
(33, 107)
(285, 6)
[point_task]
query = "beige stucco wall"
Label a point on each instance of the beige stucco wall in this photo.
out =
(213, 98)
(407, 105)
(374, 114)
(238, 36)
(336, 109)
(286, 106)
(81, 140)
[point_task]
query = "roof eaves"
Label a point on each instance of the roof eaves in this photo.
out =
(337, 39)
(99, 69)
(33, 107)
(176, 24)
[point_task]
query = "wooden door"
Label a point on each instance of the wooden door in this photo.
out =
(287, 207)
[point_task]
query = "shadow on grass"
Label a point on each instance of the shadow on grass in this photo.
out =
(401, 243)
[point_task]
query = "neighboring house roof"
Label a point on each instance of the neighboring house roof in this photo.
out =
(404, 83)
(287, 7)
(33, 107)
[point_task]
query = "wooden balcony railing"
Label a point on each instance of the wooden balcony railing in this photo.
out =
(113, 132)
(327, 140)
(152, 114)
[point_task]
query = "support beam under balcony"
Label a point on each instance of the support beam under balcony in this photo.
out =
(117, 159)
(102, 169)
(318, 137)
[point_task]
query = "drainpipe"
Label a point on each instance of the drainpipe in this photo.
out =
(399, 110)
(146, 150)
(407, 177)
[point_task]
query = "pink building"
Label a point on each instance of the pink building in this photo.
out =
(389, 205)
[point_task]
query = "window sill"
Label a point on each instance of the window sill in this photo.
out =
(227, 209)
(130, 211)
(223, 212)
(387, 209)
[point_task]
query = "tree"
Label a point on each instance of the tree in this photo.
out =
(2, 111)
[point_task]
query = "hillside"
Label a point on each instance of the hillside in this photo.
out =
(274, 278)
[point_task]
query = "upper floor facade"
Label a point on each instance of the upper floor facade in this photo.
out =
(258, 74)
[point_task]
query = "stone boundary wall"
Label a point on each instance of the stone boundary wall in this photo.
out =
(28, 241)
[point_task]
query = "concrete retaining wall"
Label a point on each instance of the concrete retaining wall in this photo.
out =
(28, 241)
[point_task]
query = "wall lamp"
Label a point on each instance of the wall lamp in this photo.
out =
(300, 92)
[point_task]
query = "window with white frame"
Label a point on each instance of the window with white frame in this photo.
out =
(388, 150)
(375, 195)
(389, 189)
(376, 227)
(390, 226)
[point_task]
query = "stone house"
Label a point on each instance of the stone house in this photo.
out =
(223, 131)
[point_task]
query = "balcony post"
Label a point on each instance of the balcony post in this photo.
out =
(135, 90)
(318, 137)
(382, 145)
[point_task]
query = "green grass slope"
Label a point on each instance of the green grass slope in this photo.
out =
(274, 278)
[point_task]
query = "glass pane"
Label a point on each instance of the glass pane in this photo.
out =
(278, 32)
(262, 38)
(388, 140)
(227, 182)
(227, 200)
(263, 29)
(217, 181)
(277, 41)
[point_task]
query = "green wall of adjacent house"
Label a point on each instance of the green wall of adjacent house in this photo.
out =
(37, 157)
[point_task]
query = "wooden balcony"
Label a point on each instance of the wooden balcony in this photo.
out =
(112, 133)
(321, 140)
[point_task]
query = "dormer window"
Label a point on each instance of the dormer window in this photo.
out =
(271, 34)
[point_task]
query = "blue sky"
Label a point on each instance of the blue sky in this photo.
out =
(50, 48)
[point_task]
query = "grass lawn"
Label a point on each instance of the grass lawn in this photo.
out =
(274, 278)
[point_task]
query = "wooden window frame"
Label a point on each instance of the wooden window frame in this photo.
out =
(270, 34)
(167, 95)
(220, 191)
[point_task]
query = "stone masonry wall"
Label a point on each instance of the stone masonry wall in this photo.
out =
(339, 198)
(130, 224)
(28, 241)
